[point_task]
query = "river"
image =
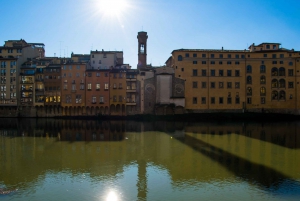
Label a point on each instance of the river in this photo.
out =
(52, 159)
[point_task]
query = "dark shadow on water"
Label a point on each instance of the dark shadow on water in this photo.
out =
(266, 178)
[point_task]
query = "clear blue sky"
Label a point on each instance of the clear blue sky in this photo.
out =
(78, 26)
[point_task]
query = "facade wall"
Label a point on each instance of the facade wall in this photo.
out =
(236, 80)
(117, 90)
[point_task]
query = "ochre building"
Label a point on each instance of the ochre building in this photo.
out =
(264, 78)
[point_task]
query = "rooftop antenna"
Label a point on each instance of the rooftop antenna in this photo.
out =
(60, 48)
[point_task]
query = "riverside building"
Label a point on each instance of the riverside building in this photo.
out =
(264, 78)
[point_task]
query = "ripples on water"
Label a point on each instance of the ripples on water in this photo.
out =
(90, 160)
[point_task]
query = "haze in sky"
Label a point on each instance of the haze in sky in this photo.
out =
(79, 26)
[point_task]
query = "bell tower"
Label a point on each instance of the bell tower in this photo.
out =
(142, 49)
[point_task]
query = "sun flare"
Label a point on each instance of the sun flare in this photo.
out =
(112, 8)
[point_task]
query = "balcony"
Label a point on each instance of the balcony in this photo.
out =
(130, 89)
(27, 82)
(130, 101)
(131, 79)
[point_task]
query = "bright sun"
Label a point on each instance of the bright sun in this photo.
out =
(112, 8)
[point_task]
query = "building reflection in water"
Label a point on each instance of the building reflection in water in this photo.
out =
(251, 161)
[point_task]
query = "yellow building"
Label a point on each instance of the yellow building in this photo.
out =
(261, 79)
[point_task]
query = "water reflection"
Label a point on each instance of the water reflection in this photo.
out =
(108, 155)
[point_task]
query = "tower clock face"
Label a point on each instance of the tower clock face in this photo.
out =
(179, 88)
(150, 88)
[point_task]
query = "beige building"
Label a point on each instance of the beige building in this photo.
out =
(261, 79)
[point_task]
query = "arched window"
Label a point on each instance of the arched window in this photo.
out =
(179, 58)
(249, 69)
(274, 83)
(282, 95)
(281, 83)
(274, 95)
(281, 71)
(262, 79)
(262, 91)
(249, 91)
(274, 71)
(249, 80)
(262, 68)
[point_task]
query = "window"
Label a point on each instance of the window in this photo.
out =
(282, 95)
(237, 73)
(229, 85)
(249, 91)
(70, 67)
(237, 85)
(229, 100)
(203, 100)
(229, 73)
(194, 100)
(195, 84)
(212, 72)
(221, 73)
(203, 62)
(273, 56)
(203, 55)
(98, 74)
(262, 100)
(195, 72)
(291, 84)
(77, 67)
(274, 71)
(249, 80)
(182, 69)
(203, 72)
(203, 84)
(274, 83)
(101, 99)
(212, 62)
(89, 86)
(281, 62)
(262, 79)
(237, 99)
(220, 100)
(212, 85)
(89, 74)
(274, 62)
(274, 95)
(106, 86)
(194, 62)
(81, 86)
(281, 71)
(281, 83)
(268, 46)
(249, 69)
(228, 62)
(281, 55)
(212, 100)
(291, 72)
(94, 99)
(237, 63)
(194, 55)
(262, 91)
(73, 87)
(78, 99)
(114, 98)
(120, 99)
(229, 56)
(237, 56)
(249, 100)
(262, 69)
(290, 63)
(221, 55)
(120, 75)
(114, 85)
(212, 56)
(120, 86)
(65, 87)
(68, 99)
(220, 62)
(97, 86)
(221, 85)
